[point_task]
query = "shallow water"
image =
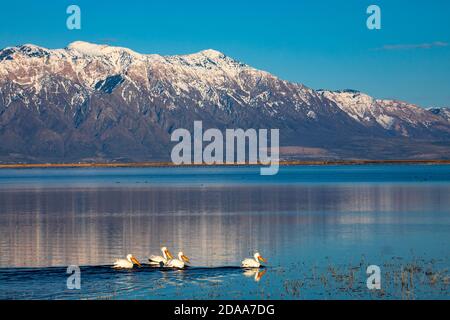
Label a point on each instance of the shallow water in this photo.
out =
(319, 227)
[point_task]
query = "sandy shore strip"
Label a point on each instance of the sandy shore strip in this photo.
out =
(169, 164)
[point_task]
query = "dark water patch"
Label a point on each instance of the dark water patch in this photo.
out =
(219, 176)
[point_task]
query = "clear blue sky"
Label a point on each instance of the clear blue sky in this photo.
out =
(323, 44)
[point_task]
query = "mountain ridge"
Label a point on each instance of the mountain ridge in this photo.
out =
(90, 102)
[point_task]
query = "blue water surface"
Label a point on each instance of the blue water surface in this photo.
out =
(320, 227)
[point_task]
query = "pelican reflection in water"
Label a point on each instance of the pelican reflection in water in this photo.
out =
(258, 274)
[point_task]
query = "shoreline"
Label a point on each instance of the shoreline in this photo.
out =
(170, 164)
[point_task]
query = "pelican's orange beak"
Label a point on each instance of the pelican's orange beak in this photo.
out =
(169, 255)
(262, 259)
(135, 261)
(185, 259)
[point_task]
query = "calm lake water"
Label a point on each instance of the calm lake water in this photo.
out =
(318, 226)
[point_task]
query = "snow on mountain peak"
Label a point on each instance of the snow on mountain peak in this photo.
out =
(29, 50)
(91, 49)
(31, 46)
(87, 48)
(212, 54)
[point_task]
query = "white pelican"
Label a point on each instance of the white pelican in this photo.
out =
(158, 260)
(126, 263)
(253, 263)
(177, 263)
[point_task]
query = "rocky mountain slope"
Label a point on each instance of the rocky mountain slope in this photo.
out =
(444, 113)
(90, 102)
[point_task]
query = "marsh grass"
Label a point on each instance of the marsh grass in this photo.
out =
(408, 280)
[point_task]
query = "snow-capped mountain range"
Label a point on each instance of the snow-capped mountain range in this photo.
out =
(91, 102)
